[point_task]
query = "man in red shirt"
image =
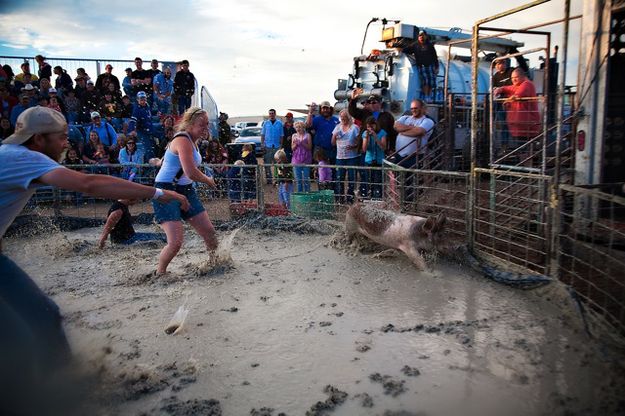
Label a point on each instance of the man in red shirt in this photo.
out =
(521, 106)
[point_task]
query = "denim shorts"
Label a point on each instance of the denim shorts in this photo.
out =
(171, 211)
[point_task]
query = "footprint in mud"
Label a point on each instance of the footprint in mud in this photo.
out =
(410, 371)
(335, 398)
(365, 399)
(176, 407)
(265, 411)
(391, 386)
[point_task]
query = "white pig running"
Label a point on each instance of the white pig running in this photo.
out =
(407, 233)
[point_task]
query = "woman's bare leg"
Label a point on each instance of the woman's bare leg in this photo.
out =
(175, 236)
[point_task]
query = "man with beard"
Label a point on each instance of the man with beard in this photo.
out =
(106, 78)
(163, 90)
(323, 125)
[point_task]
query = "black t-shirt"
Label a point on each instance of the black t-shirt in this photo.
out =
(123, 229)
(141, 74)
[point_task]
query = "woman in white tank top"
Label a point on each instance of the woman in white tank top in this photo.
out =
(178, 171)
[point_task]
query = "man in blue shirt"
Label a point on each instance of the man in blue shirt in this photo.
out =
(34, 344)
(323, 125)
(106, 132)
(270, 138)
(163, 90)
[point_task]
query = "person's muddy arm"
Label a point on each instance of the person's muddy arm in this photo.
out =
(111, 222)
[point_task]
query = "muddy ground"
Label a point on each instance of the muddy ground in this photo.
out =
(300, 323)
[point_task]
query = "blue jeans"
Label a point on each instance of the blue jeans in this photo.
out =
(351, 178)
(162, 106)
(284, 193)
(373, 182)
(302, 178)
(184, 103)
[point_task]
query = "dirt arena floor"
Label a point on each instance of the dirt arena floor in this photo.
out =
(300, 322)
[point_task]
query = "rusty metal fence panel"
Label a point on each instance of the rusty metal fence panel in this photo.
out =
(510, 218)
(591, 248)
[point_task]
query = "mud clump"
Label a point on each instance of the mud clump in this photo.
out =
(264, 411)
(335, 398)
(391, 386)
(176, 407)
(410, 371)
(365, 399)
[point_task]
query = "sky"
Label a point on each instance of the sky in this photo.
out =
(251, 55)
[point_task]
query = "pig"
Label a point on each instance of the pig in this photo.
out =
(408, 233)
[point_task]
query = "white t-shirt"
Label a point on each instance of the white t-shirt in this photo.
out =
(411, 142)
(19, 168)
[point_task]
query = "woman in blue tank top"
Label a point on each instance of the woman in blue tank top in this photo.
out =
(179, 169)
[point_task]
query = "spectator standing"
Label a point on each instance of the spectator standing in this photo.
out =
(346, 139)
(141, 80)
(285, 179)
(270, 139)
(224, 129)
(373, 108)
(178, 171)
(184, 86)
(373, 147)
(502, 78)
(90, 100)
(425, 60)
(163, 90)
(301, 145)
(324, 173)
(45, 70)
(127, 84)
(105, 79)
(414, 131)
(63, 82)
(153, 71)
(289, 131)
(322, 126)
(141, 122)
(81, 88)
(25, 77)
(522, 115)
(81, 73)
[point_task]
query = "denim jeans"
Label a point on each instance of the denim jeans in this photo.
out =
(162, 106)
(184, 103)
(284, 193)
(351, 178)
(373, 183)
(302, 178)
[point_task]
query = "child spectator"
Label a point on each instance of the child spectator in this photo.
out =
(301, 143)
(101, 156)
(72, 106)
(54, 104)
(235, 181)
(285, 179)
(5, 128)
(373, 145)
(324, 174)
(72, 157)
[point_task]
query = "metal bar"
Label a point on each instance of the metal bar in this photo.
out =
(555, 203)
(509, 12)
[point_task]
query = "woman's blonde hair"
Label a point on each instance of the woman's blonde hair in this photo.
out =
(189, 117)
(350, 120)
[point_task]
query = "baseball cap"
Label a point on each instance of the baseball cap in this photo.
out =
(94, 114)
(325, 104)
(141, 94)
(289, 114)
(52, 91)
(89, 82)
(374, 98)
(36, 120)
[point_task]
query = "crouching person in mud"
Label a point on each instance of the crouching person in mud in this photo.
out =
(179, 169)
(33, 345)
(119, 226)
(408, 233)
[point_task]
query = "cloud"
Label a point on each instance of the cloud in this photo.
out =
(252, 54)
